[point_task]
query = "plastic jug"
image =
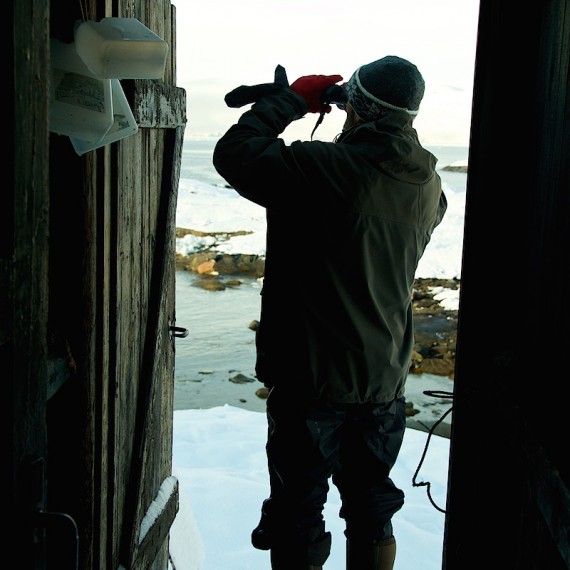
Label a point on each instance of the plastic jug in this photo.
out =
(124, 123)
(121, 48)
(80, 102)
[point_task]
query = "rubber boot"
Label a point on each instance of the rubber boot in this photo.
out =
(287, 560)
(376, 556)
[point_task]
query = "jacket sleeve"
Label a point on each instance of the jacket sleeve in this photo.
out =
(251, 157)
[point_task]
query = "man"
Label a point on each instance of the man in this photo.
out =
(336, 335)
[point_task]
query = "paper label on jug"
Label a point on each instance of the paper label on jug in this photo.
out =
(79, 90)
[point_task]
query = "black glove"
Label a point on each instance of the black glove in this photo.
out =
(245, 94)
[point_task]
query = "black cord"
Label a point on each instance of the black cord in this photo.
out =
(435, 394)
(319, 121)
(332, 95)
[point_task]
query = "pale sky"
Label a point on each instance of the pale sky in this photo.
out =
(222, 44)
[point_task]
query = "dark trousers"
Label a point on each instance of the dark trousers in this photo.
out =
(310, 442)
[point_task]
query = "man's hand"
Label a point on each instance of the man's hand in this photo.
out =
(312, 87)
(246, 94)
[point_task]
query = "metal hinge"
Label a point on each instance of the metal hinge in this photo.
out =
(179, 332)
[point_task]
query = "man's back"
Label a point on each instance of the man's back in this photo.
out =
(363, 209)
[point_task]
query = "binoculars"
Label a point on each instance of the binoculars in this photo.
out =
(335, 95)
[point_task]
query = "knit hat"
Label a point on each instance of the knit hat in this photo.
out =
(388, 83)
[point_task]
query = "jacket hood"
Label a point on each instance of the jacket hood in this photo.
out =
(392, 145)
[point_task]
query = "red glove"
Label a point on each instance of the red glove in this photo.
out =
(311, 88)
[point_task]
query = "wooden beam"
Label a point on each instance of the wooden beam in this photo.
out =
(156, 104)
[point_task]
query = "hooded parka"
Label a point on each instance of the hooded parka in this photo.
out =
(347, 223)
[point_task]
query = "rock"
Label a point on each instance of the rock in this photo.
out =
(410, 410)
(435, 330)
(241, 379)
(246, 265)
(459, 167)
(207, 267)
(210, 283)
(262, 393)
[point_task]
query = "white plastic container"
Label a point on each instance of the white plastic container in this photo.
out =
(124, 124)
(121, 48)
(80, 102)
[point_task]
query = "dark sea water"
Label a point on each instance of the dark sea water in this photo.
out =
(220, 344)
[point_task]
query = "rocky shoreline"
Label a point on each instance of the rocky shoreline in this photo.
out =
(435, 326)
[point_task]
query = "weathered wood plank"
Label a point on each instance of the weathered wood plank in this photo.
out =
(24, 255)
(147, 430)
(158, 105)
(157, 535)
